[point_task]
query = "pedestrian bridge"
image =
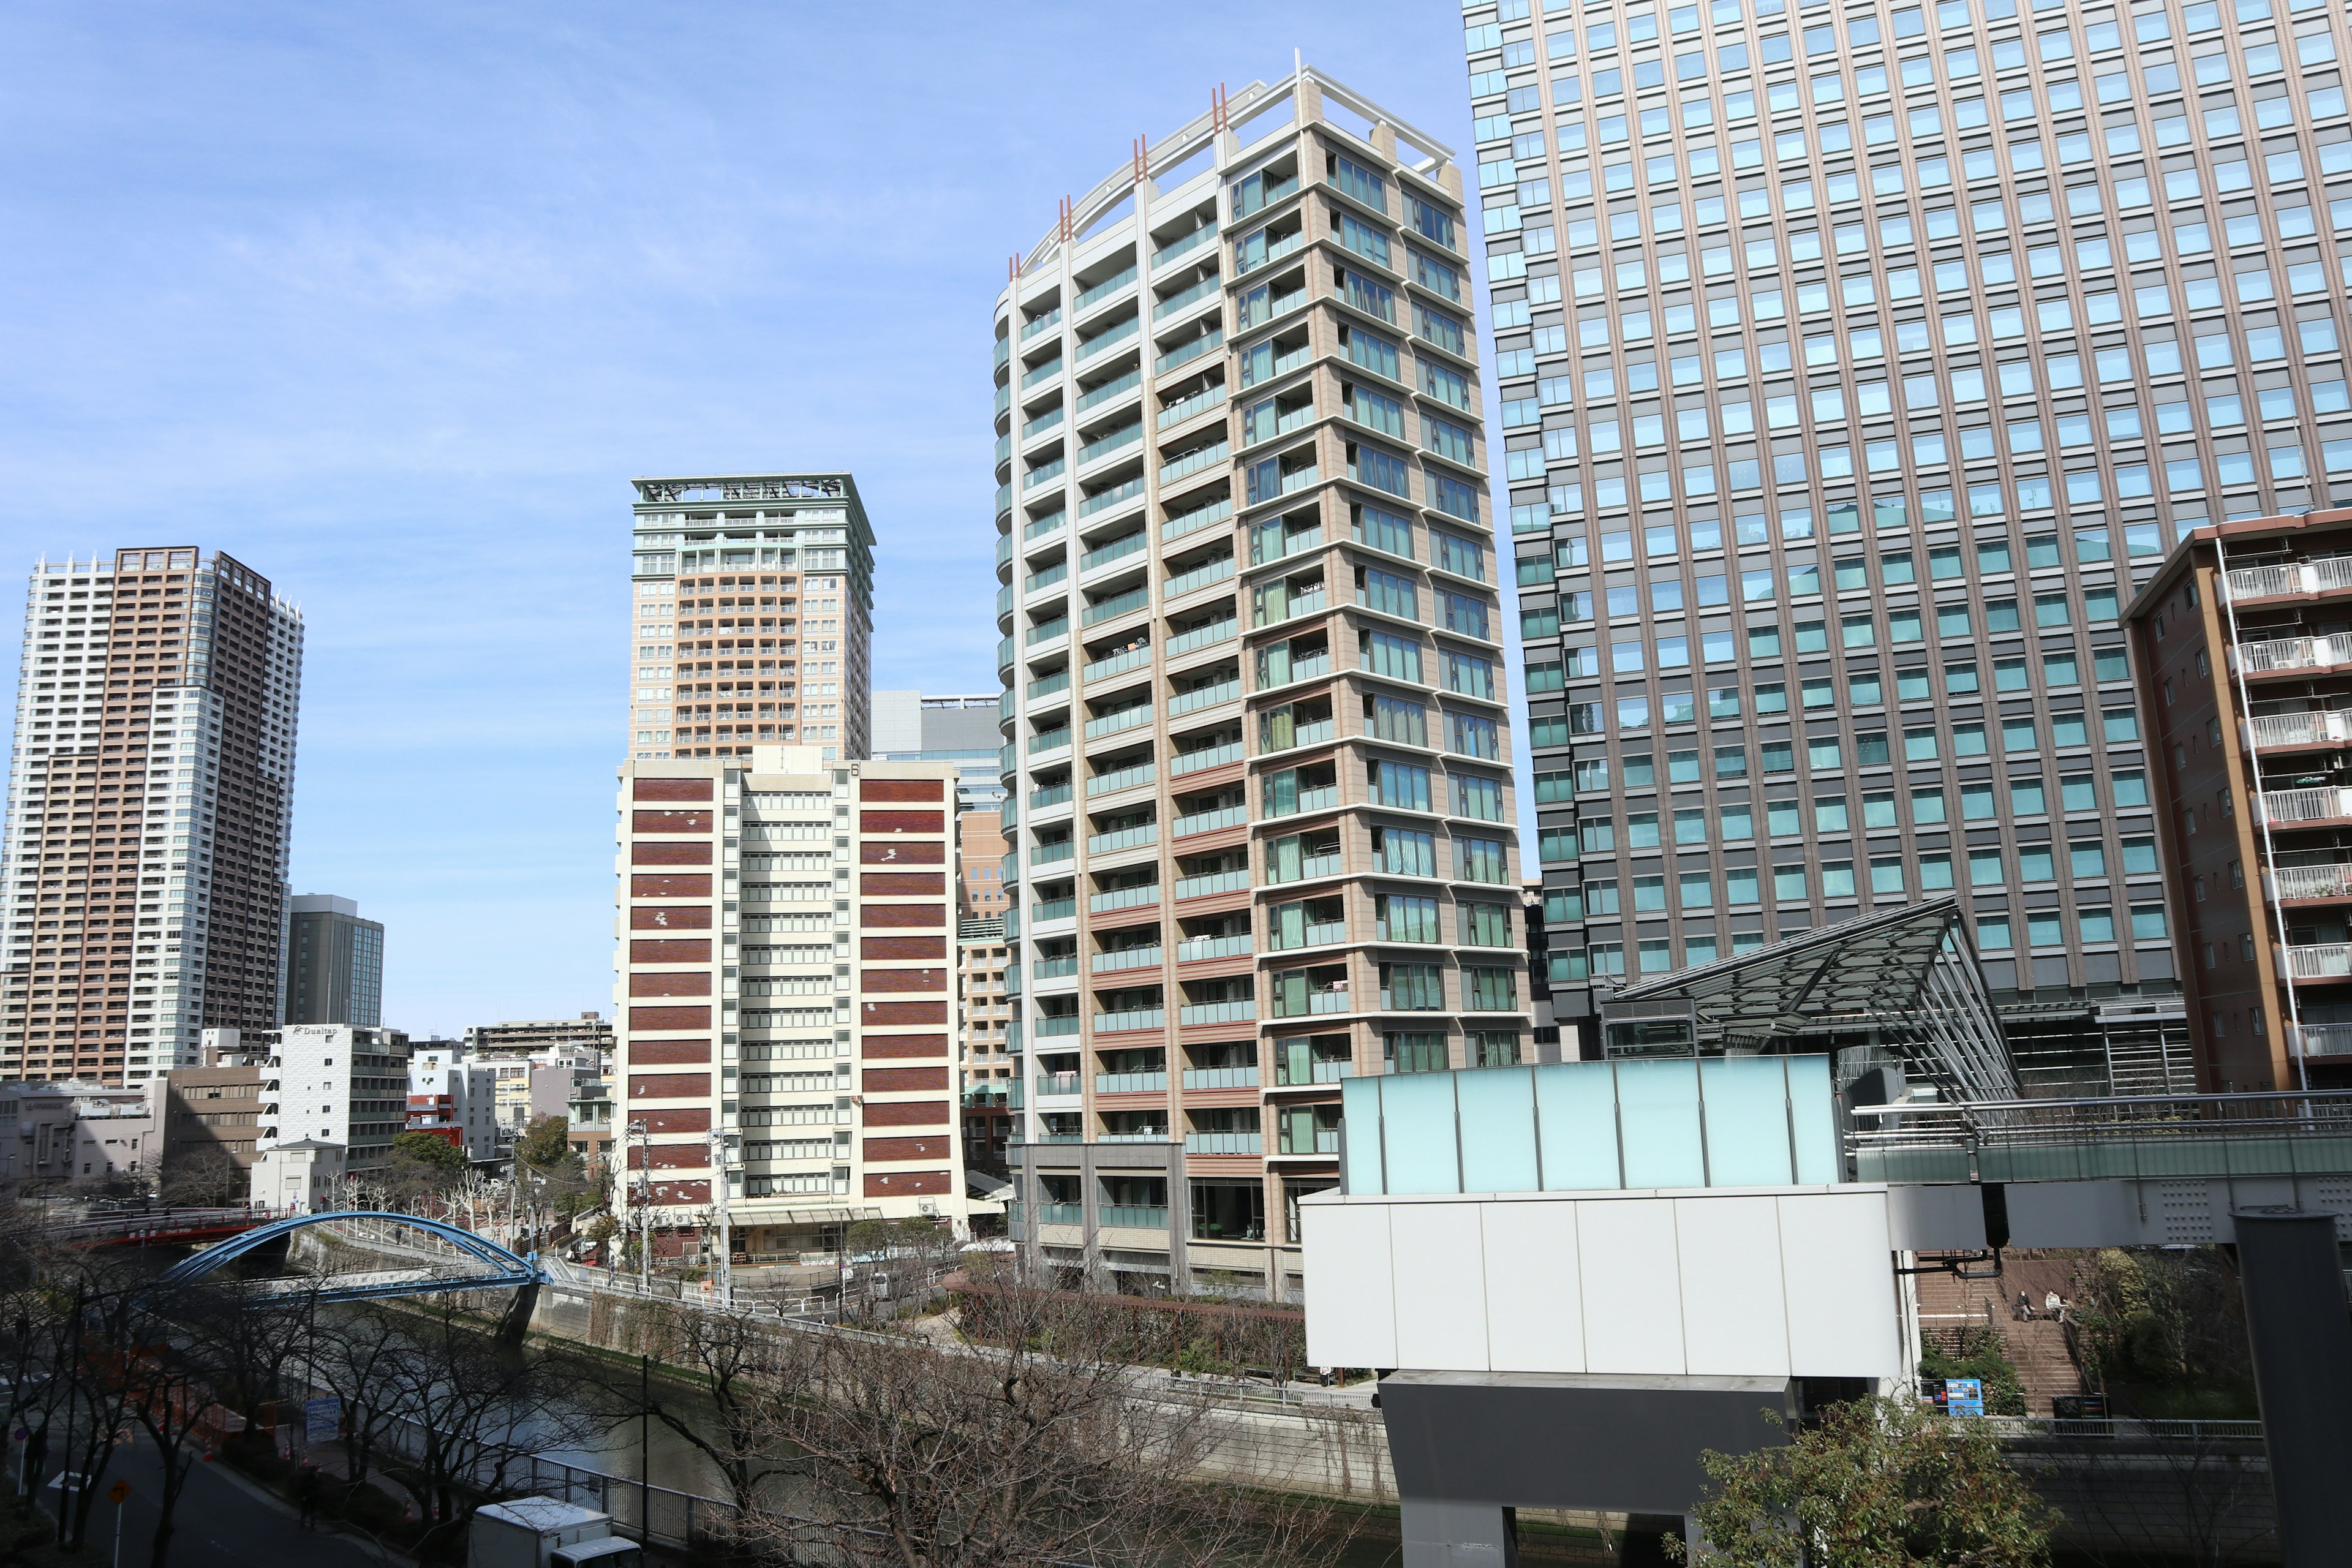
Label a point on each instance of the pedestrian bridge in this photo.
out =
(479, 1264)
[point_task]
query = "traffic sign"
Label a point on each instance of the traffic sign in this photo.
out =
(119, 1492)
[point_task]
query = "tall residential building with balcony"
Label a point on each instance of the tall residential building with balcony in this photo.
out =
(755, 616)
(785, 986)
(149, 802)
(2244, 640)
(1255, 722)
(1851, 363)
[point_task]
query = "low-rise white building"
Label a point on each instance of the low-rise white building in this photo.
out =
(79, 1131)
(449, 1092)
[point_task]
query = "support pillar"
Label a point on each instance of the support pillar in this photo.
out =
(1439, 1534)
(2300, 1331)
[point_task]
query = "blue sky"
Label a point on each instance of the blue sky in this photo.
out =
(391, 302)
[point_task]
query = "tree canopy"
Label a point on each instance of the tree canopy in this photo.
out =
(436, 1155)
(545, 1143)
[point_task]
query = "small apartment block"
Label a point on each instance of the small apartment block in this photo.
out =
(2245, 639)
(786, 984)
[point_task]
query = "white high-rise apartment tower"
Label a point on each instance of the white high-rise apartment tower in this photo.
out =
(149, 802)
(1257, 753)
(754, 617)
(1855, 362)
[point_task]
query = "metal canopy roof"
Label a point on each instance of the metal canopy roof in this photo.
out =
(1910, 974)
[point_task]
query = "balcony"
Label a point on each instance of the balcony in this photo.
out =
(1046, 854)
(1189, 350)
(1124, 435)
(1133, 1018)
(1049, 1083)
(2306, 884)
(1059, 1024)
(1242, 1012)
(1051, 318)
(1326, 1140)
(2320, 961)
(1053, 968)
(1196, 949)
(1203, 636)
(1125, 838)
(1055, 910)
(1215, 882)
(1207, 756)
(1177, 301)
(1117, 664)
(1187, 464)
(2286, 731)
(1322, 797)
(1037, 527)
(1123, 778)
(2327, 1040)
(1200, 517)
(1220, 1078)
(1061, 1214)
(1111, 389)
(1127, 958)
(1117, 605)
(1127, 490)
(1153, 1082)
(1124, 898)
(1051, 795)
(1106, 339)
(1104, 290)
(1185, 246)
(1112, 724)
(1321, 1070)
(1117, 550)
(1224, 1142)
(2305, 807)
(1051, 740)
(1131, 1216)
(1208, 821)
(1200, 577)
(2285, 656)
(1198, 403)
(2290, 578)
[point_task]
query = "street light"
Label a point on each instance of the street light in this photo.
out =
(638, 1131)
(724, 1274)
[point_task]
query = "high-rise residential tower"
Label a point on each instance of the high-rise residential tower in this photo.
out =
(1255, 722)
(334, 963)
(1852, 364)
(754, 615)
(149, 812)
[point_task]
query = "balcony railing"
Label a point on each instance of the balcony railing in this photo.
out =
(1320, 1071)
(1046, 854)
(1051, 795)
(1124, 838)
(1046, 372)
(1193, 949)
(1190, 242)
(1215, 882)
(1103, 339)
(2327, 1040)
(2299, 728)
(1223, 1143)
(1220, 1078)
(1124, 435)
(1133, 1018)
(1039, 526)
(2286, 807)
(1208, 821)
(1058, 1083)
(1055, 910)
(1053, 968)
(1117, 663)
(1326, 1141)
(1203, 636)
(1177, 301)
(1059, 1024)
(1198, 403)
(1192, 462)
(1105, 290)
(2289, 578)
(1118, 549)
(2283, 655)
(1101, 395)
(1201, 697)
(2320, 961)
(1154, 1081)
(1132, 1216)
(1129, 958)
(1124, 778)
(1188, 349)
(1032, 329)
(1237, 1012)
(1207, 756)
(1124, 898)
(1113, 722)
(1198, 577)
(1127, 490)
(1118, 604)
(2332, 881)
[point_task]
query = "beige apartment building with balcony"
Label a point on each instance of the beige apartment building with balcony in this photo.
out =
(1257, 759)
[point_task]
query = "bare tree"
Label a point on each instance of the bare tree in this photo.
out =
(1045, 1448)
(722, 1373)
(203, 1178)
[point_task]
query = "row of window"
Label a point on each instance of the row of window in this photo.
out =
(1888, 875)
(1904, 626)
(2027, 795)
(1994, 933)
(1736, 821)
(1995, 556)
(1871, 748)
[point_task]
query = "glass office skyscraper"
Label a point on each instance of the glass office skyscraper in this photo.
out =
(1851, 362)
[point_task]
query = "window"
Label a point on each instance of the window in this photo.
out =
(1478, 860)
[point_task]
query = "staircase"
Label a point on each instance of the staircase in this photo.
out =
(1950, 1305)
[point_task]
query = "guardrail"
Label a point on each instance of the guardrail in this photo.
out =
(2157, 1136)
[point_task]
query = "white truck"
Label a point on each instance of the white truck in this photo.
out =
(540, 1532)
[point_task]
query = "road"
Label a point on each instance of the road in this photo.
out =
(223, 1521)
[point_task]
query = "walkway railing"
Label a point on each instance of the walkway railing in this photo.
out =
(2157, 1136)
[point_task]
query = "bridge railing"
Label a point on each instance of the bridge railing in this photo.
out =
(2148, 1136)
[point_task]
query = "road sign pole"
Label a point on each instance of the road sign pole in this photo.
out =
(120, 1492)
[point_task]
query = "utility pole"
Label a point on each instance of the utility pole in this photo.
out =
(637, 1130)
(724, 1272)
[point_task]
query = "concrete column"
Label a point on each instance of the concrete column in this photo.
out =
(1458, 1534)
(2301, 1336)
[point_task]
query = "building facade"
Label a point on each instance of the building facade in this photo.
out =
(909, 727)
(210, 1118)
(332, 1084)
(148, 821)
(523, 1037)
(334, 963)
(988, 1069)
(73, 1132)
(754, 615)
(454, 1096)
(2244, 642)
(1850, 365)
(785, 984)
(1255, 717)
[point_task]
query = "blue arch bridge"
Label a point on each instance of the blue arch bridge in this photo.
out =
(479, 1264)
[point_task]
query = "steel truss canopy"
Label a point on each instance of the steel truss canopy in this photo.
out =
(1908, 976)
